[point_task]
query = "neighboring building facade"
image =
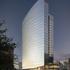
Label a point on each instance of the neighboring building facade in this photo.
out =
(50, 35)
(50, 42)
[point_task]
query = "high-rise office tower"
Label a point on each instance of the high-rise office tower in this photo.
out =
(35, 35)
(49, 43)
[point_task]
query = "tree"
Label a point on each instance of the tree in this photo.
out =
(6, 50)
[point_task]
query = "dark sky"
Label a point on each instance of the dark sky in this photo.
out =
(14, 11)
(61, 11)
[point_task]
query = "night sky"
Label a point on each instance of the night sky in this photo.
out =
(14, 11)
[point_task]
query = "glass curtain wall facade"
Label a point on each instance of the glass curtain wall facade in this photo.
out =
(35, 35)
